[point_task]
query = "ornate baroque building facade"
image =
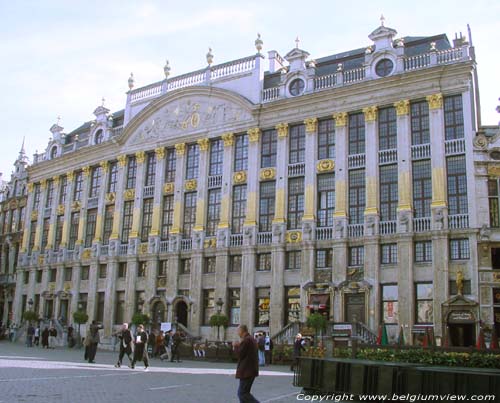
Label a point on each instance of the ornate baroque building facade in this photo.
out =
(343, 185)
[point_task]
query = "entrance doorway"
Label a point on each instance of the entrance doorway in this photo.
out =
(354, 307)
(181, 313)
(158, 314)
(63, 311)
(462, 334)
(49, 309)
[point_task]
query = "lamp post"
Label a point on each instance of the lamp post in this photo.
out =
(79, 341)
(219, 304)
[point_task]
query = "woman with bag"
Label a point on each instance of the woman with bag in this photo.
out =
(140, 351)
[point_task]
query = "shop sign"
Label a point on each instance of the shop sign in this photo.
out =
(342, 330)
(460, 316)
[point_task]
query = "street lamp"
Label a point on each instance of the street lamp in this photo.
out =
(219, 304)
(80, 308)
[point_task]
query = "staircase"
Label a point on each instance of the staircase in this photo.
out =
(363, 333)
(189, 335)
(287, 334)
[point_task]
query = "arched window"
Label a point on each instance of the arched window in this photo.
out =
(53, 152)
(99, 137)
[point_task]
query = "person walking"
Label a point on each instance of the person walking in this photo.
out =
(268, 346)
(298, 347)
(125, 337)
(248, 364)
(92, 339)
(167, 342)
(261, 344)
(37, 336)
(30, 333)
(45, 338)
(176, 347)
(140, 350)
(52, 337)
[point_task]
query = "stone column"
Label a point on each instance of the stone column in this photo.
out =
(250, 223)
(44, 287)
(59, 288)
(67, 209)
(53, 214)
(101, 206)
(134, 238)
(27, 220)
(75, 289)
(202, 195)
(83, 211)
(151, 275)
(18, 300)
(92, 291)
(130, 289)
(40, 215)
(406, 288)
(120, 190)
(277, 311)
(154, 235)
(195, 291)
(341, 172)
(310, 174)
(172, 279)
(221, 276)
(247, 288)
(180, 167)
(226, 191)
(110, 296)
(281, 181)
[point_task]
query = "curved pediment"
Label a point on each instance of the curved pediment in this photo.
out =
(187, 112)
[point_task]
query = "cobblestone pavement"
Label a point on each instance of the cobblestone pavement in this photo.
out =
(33, 375)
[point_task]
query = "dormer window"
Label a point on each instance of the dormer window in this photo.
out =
(384, 67)
(99, 137)
(296, 87)
(53, 152)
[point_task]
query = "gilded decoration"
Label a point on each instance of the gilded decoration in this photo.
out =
(267, 174)
(168, 188)
(122, 160)
(240, 177)
(86, 171)
(60, 209)
(203, 144)
(12, 204)
(325, 166)
(75, 205)
(160, 153)
(282, 129)
(70, 176)
(402, 107)
(161, 282)
(190, 184)
(43, 184)
(140, 156)
(210, 243)
(311, 125)
(143, 248)
(86, 254)
(253, 134)
(67, 286)
(52, 287)
(104, 166)
(435, 101)
(110, 197)
(41, 260)
(340, 119)
(129, 194)
(30, 187)
(180, 148)
(370, 113)
(494, 170)
(228, 139)
(496, 276)
(34, 215)
(55, 179)
(293, 236)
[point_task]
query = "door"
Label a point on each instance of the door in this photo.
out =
(49, 309)
(63, 311)
(462, 335)
(354, 308)
(181, 313)
(158, 314)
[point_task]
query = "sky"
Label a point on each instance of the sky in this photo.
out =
(60, 58)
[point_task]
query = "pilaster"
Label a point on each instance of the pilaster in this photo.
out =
(406, 288)
(247, 288)
(340, 174)
(67, 209)
(202, 192)
(252, 179)
(195, 291)
(310, 203)
(83, 211)
(158, 195)
(227, 180)
(130, 289)
(281, 174)
(92, 291)
(109, 301)
(277, 299)
(180, 167)
(139, 188)
(371, 165)
(101, 206)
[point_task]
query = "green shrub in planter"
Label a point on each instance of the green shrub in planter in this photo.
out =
(218, 320)
(140, 318)
(30, 316)
(317, 322)
(80, 317)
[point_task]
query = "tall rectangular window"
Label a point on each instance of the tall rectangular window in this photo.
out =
(292, 304)
(113, 176)
(326, 199)
(239, 208)
(453, 117)
(234, 306)
(209, 265)
(63, 189)
(263, 262)
(268, 148)
(422, 188)
(131, 172)
(424, 296)
(390, 303)
(387, 129)
(324, 258)
(267, 201)
(108, 224)
(357, 200)
(185, 266)
(208, 305)
(170, 159)
(388, 192)
(263, 302)
(459, 249)
(213, 211)
(457, 185)
(293, 260)
(59, 231)
(241, 153)
(167, 216)
(356, 256)
(389, 253)
(95, 182)
(419, 113)
(326, 139)
(32, 235)
(90, 227)
(150, 169)
(45, 233)
(423, 251)
(235, 262)
(36, 196)
(216, 157)
(189, 213)
(78, 185)
(50, 193)
(493, 198)
(128, 212)
(356, 133)
(73, 230)
(147, 219)
(192, 161)
(295, 202)
(297, 149)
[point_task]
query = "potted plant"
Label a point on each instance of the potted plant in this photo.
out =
(218, 320)
(30, 316)
(317, 322)
(80, 317)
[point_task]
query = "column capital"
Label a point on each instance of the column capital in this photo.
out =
(311, 125)
(160, 153)
(122, 160)
(86, 171)
(104, 165)
(70, 175)
(55, 180)
(340, 119)
(402, 107)
(30, 187)
(228, 139)
(435, 101)
(180, 148)
(43, 184)
(204, 143)
(140, 157)
(370, 113)
(282, 129)
(253, 135)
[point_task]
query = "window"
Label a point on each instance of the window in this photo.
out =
(262, 296)
(419, 112)
(424, 295)
(292, 304)
(50, 193)
(95, 182)
(185, 266)
(423, 251)
(356, 255)
(68, 273)
(36, 196)
(45, 233)
(22, 217)
(296, 87)
(90, 227)
(128, 212)
(266, 205)
(457, 185)
(63, 189)
(84, 273)
(453, 117)
(122, 270)
(162, 268)
(234, 306)
(100, 307)
(324, 259)
(26, 277)
(131, 172)
(356, 196)
(120, 307)
(388, 192)
(99, 136)
(170, 159)
(293, 260)
(147, 219)
(297, 144)
(390, 304)
(326, 199)
(387, 129)
(216, 157)
(209, 265)
(39, 274)
(268, 148)
(102, 270)
(356, 134)
(82, 302)
(389, 253)
(208, 305)
(326, 139)
(422, 188)
(213, 213)
(263, 262)
(32, 235)
(384, 67)
(493, 198)
(295, 202)
(108, 224)
(113, 177)
(150, 169)
(78, 185)
(239, 208)
(241, 153)
(235, 262)
(142, 268)
(189, 213)
(192, 161)
(167, 216)
(459, 249)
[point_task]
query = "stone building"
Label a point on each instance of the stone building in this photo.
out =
(270, 189)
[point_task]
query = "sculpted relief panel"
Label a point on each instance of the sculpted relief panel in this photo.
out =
(189, 115)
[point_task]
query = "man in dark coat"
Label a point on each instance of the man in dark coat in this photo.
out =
(140, 351)
(298, 347)
(176, 346)
(248, 364)
(125, 337)
(45, 338)
(92, 340)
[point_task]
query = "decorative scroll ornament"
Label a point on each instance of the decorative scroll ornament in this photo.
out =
(267, 174)
(240, 177)
(435, 101)
(311, 124)
(34, 215)
(168, 188)
(75, 205)
(203, 143)
(43, 184)
(180, 148)
(129, 194)
(110, 197)
(402, 107)
(253, 134)
(31, 186)
(160, 153)
(228, 139)
(60, 209)
(282, 129)
(293, 236)
(86, 171)
(480, 142)
(370, 113)
(140, 157)
(190, 184)
(210, 243)
(122, 160)
(325, 166)
(104, 166)
(340, 119)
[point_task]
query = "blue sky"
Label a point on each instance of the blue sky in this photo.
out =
(61, 57)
